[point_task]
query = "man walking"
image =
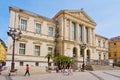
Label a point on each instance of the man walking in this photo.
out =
(27, 70)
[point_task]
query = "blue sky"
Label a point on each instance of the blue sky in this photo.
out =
(106, 13)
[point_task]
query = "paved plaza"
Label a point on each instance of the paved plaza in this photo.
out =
(89, 75)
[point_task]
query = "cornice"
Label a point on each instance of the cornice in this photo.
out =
(28, 56)
(30, 13)
(81, 19)
(65, 12)
(96, 35)
(102, 50)
(36, 38)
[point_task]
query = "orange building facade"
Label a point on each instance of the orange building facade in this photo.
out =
(114, 49)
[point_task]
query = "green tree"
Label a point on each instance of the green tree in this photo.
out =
(62, 60)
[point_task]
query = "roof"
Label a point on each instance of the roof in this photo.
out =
(2, 42)
(101, 36)
(115, 38)
(79, 14)
(29, 12)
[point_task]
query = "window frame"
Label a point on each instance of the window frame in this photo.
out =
(22, 49)
(80, 33)
(37, 54)
(50, 52)
(23, 26)
(36, 28)
(49, 31)
(73, 31)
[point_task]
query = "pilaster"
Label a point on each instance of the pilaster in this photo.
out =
(77, 28)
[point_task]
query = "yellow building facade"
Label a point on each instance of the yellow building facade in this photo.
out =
(2, 51)
(114, 48)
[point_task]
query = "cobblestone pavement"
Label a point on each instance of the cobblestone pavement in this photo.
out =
(92, 75)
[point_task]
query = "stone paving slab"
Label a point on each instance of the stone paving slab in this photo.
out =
(92, 75)
(57, 76)
(2, 77)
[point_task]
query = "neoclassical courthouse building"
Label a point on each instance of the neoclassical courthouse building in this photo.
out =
(64, 34)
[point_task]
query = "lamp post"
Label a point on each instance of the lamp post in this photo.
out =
(15, 35)
(83, 46)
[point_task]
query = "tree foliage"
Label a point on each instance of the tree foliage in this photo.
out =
(62, 60)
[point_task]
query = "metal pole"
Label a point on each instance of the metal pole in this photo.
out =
(83, 60)
(13, 64)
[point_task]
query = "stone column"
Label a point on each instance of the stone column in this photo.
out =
(83, 33)
(93, 37)
(89, 35)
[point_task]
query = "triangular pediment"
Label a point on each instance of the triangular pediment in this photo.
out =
(81, 14)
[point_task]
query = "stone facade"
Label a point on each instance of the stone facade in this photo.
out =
(101, 47)
(64, 34)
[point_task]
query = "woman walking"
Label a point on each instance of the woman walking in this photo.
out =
(27, 70)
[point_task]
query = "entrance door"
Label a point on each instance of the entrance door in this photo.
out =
(74, 52)
(88, 55)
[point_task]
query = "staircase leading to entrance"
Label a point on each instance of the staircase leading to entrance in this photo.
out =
(106, 67)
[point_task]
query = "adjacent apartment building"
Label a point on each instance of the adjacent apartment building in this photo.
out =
(64, 34)
(114, 49)
(3, 50)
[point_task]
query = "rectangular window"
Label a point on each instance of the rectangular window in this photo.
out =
(21, 49)
(99, 44)
(36, 64)
(80, 33)
(23, 24)
(38, 28)
(73, 31)
(49, 50)
(50, 31)
(21, 63)
(37, 50)
(104, 44)
(86, 34)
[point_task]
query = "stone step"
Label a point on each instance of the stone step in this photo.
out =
(101, 67)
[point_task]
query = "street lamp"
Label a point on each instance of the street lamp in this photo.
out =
(15, 35)
(83, 46)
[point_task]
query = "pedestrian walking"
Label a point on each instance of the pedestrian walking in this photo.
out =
(69, 69)
(113, 65)
(79, 68)
(63, 69)
(27, 70)
(57, 69)
(0, 69)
